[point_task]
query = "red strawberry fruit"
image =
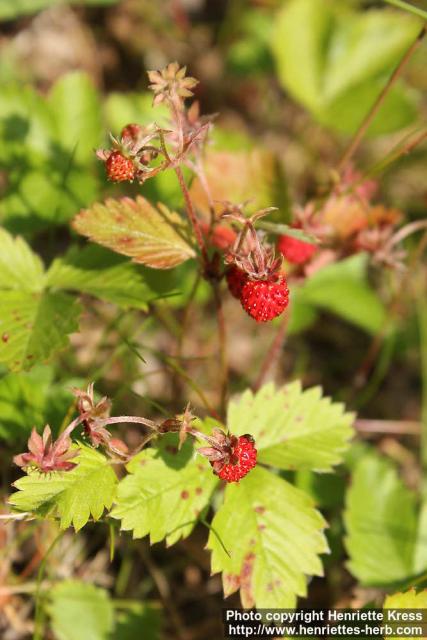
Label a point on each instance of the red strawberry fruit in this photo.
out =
(119, 168)
(131, 133)
(294, 250)
(236, 280)
(241, 461)
(220, 237)
(265, 299)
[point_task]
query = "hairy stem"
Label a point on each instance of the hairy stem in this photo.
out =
(379, 101)
(127, 420)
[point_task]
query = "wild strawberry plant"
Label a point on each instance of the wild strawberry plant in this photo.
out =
(239, 462)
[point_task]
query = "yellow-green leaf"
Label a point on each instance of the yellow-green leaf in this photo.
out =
(152, 236)
(273, 536)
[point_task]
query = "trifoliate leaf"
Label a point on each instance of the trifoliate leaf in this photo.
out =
(80, 610)
(74, 495)
(164, 493)
(293, 429)
(101, 273)
(157, 238)
(273, 536)
(381, 522)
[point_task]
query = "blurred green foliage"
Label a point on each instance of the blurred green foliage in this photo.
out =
(335, 61)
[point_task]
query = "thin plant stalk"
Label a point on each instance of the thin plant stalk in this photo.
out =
(406, 6)
(357, 139)
(192, 215)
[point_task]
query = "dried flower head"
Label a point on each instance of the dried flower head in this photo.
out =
(47, 455)
(378, 241)
(95, 414)
(181, 424)
(171, 83)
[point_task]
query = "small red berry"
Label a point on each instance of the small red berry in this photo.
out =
(236, 280)
(242, 460)
(294, 250)
(266, 299)
(131, 133)
(119, 168)
(220, 237)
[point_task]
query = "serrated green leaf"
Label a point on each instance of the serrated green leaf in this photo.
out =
(346, 53)
(74, 495)
(80, 610)
(293, 429)
(134, 228)
(381, 523)
(408, 600)
(274, 537)
(100, 273)
(164, 493)
(35, 325)
(342, 288)
(76, 110)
